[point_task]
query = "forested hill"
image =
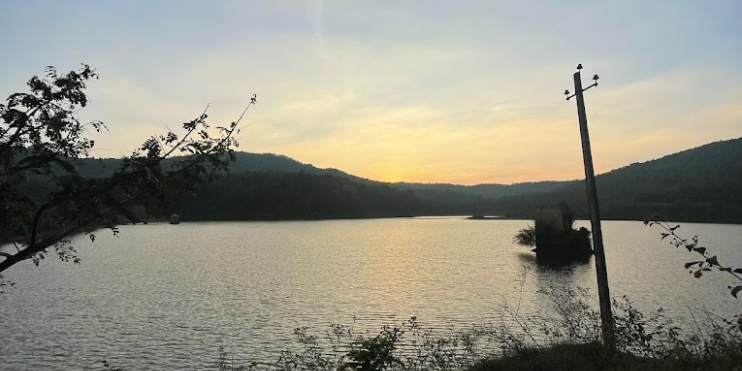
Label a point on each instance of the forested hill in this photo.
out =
(448, 194)
(484, 190)
(267, 162)
(245, 162)
(722, 159)
(702, 184)
(251, 195)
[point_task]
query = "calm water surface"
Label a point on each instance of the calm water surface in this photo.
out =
(163, 296)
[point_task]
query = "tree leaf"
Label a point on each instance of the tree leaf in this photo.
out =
(664, 235)
(700, 250)
(736, 290)
(713, 260)
(688, 265)
(738, 270)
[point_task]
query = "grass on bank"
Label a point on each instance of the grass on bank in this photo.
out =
(591, 357)
(567, 339)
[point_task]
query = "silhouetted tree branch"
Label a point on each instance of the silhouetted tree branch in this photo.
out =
(41, 139)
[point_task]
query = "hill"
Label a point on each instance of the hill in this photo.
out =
(252, 195)
(702, 184)
(448, 194)
(245, 162)
(480, 191)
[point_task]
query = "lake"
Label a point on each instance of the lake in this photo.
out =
(167, 296)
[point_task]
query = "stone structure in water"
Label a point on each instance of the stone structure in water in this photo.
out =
(556, 239)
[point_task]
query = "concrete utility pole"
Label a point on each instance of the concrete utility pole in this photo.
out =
(606, 315)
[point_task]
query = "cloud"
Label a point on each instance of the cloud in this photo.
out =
(438, 92)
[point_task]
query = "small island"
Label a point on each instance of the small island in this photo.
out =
(554, 237)
(485, 217)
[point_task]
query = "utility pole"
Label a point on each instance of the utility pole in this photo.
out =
(606, 315)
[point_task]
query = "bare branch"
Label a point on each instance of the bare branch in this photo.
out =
(252, 102)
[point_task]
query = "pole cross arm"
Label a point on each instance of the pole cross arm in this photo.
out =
(594, 84)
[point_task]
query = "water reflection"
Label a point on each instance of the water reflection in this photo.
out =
(557, 275)
(185, 290)
(552, 263)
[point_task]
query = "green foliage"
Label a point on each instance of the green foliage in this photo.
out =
(375, 354)
(526, 236)
(409, 346)
(44, 200)
(569, 339)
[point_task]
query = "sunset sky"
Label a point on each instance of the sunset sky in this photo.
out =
(427, 91)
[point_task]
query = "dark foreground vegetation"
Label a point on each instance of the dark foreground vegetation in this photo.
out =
(591, 357)
(568, 339)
